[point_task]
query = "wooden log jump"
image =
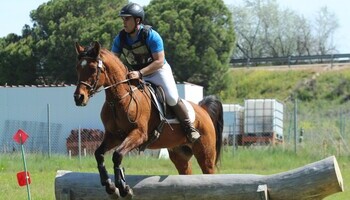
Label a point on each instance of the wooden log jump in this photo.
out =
(313, 181)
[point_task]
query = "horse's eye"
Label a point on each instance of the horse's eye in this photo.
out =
(93, 70)
(83, 63)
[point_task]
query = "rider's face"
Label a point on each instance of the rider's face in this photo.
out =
(129, 24)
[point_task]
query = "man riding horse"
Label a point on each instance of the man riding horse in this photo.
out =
(128, 115)
(142, 48)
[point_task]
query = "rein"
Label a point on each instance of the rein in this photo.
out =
(93, 88)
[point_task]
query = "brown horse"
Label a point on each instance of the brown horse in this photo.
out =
(130, 118)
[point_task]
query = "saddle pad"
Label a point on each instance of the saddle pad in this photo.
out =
(191, 113)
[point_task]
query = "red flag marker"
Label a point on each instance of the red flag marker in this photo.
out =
(20, 137)
(21, 178)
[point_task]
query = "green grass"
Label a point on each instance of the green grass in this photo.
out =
(256, 83)
(316, 87)
(259, 160)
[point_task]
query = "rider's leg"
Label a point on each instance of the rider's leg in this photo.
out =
(164, 77)
(182, 114)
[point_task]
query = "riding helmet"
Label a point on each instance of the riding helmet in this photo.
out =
(132, 9)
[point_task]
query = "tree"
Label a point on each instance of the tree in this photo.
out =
(266, 30)
(248, 29)
(17, 65)
(198, 38)
(45, 53)
(326, 24)
(60, 23)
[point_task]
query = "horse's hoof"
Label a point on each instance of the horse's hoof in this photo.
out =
(111, 189)
(115, 195)
(130, 193)
(127, 193)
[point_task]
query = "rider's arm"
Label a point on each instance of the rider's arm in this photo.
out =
(155, 44)
(158, 62)
(116, 46)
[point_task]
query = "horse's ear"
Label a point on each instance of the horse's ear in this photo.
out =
(97, 47)
(78, 48)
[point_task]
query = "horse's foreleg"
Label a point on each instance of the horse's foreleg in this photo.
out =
(105, 180)
(119, 176)
(134, 140)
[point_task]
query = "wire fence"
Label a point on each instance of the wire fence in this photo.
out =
(320, 133)
(325, 133)
(292, 60)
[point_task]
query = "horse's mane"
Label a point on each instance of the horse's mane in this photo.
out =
(106, 54)
(109, 56)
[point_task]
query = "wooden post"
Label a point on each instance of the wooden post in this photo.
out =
(313, 181)
(262, 190)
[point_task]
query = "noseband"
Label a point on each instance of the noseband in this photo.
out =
(93, 88)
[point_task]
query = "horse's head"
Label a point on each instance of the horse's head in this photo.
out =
(89, 69)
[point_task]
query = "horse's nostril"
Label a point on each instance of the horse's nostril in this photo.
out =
(78, 98)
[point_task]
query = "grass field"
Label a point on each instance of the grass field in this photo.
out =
(258, 160)
(323, 112)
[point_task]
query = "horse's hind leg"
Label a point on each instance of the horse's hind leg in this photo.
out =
(181, 156)
(205, 154)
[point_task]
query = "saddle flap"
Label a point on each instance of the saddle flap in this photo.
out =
(158, 97)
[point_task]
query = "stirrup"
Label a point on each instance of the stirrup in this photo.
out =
(192, 135)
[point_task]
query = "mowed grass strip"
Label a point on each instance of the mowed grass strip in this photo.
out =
(255, 160)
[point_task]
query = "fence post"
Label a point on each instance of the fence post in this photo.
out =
(79, 144)
(295, 125)
(233, 139)
(332, 57)
(342, 124)
(301, 136)
(289, 58)
(48, 130)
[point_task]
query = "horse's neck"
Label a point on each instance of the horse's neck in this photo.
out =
(115, 75)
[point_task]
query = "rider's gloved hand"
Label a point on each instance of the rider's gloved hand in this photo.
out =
(135, 75)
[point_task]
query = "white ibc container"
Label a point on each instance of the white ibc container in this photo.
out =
(233, 119)
(263, 116)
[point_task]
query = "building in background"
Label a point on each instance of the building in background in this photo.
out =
(49, 114)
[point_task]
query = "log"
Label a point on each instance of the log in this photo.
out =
(313, 181)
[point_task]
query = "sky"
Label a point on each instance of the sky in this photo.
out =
(14, 14)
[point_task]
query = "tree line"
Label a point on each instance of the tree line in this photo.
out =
(264, 29)
(199, 38)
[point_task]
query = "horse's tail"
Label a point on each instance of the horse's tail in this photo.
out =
(214, 108)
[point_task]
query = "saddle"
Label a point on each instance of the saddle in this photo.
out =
(166, 114)
(158, 99)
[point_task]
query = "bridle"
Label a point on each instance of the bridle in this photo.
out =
(93, 89)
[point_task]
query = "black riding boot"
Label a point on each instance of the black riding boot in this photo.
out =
(180, 111)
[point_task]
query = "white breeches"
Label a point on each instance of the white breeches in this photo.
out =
(164, 77)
